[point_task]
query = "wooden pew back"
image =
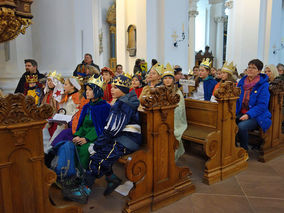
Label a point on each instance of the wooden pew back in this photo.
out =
(24, 179)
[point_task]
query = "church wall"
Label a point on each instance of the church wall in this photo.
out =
(176, 20)
(12, 68)
(242, 45)
(135, 14)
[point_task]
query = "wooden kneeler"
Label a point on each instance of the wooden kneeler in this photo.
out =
(24, 178)
(157, 180)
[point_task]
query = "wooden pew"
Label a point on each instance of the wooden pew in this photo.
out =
(273, 139)
(213, 126)
(24, 179)
(157, 180)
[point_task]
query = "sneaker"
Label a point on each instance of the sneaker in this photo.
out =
(77, 194)
(112, 183)
(86, 190)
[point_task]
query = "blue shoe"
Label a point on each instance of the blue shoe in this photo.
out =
(112, 182)
(77, 194)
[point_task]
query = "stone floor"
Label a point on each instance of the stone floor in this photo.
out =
(259, 189)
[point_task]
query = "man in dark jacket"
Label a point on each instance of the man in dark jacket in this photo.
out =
(31, 68)
(81, 68)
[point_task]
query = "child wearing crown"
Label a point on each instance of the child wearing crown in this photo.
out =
(121, 136)
(227, 74)
(204, 85)
(53, 92)
(32, 87)
(180, 122)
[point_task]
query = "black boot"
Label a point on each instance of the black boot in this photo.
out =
(112, 182)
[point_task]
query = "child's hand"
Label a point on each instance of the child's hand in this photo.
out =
(76, 139)
(82, 141)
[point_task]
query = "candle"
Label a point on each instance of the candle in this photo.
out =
(182, 27)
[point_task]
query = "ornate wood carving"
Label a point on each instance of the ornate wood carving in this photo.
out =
(160, 96)
(226, 90)
(24, 179)
(15, 18)
(157, 180)
(20, 109)
(276, 86)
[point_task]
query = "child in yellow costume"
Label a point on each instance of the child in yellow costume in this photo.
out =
(33, 87)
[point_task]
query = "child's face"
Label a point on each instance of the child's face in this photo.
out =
(168, 81)
(50, 84)
(203, 73)
(32, 84)
(89, 93)
(68, 88)
(135, 83)
(106, 76)
(224, 76)
(116, 92)
(153, 75)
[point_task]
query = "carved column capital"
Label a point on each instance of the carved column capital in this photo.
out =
(229, 4)
(220, 19)
(193, 13)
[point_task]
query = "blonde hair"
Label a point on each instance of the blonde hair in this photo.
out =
(273, 70)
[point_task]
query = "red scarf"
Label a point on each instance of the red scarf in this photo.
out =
(248, 85)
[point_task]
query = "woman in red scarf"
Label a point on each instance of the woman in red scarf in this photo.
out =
(252, 106)
(137, 84)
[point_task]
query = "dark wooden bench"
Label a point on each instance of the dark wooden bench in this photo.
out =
(272, 141)
(213, 126)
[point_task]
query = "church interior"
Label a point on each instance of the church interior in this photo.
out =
(215, 172)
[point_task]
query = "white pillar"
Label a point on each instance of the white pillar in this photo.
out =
(219, 41)
(230, 30)
(191, 34)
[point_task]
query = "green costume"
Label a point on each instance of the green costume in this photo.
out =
(87, 131)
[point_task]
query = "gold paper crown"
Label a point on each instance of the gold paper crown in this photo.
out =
(206, 63)
(127, 75)
(31, 78)
(229, 68)
(97, 81)
(159, 68)
(56, 75)
(122, 81)
(168, 70)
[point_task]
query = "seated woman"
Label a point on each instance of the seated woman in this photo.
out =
(205, 84)
(252, 106)
(271, 71)
(153, 79)
(227, 74)
(180, 122)
(137, 85)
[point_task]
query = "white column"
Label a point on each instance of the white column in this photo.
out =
(219, 41)
(191, 32)
(230, 29)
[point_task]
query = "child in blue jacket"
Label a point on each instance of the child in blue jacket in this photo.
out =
(121, 136)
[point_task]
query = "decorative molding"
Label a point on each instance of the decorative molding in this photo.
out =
(21, 109)
(193, 13)
(160, 96)
(15, 18)
(220, 19)
(111, 15)
(229, 4)
(227, 90)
